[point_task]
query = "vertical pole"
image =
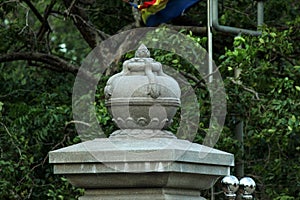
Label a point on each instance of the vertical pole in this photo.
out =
(210, 57)
(210, 42)
(239, 135)
(239, 132)
(212, 193)
(260, 14)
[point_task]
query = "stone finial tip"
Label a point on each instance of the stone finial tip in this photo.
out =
(142, 52)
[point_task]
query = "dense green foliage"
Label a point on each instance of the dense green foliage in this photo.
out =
(266, 96)
(36, 94)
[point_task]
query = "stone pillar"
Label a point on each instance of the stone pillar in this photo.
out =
(141, 160)
(156, 168)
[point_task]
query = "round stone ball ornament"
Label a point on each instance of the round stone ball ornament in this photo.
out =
(141, 98)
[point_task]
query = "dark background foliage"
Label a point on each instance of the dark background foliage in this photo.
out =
(42, 45)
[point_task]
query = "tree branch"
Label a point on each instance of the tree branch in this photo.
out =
(285, 57)
(48, 59)
(50, 62)
(34, 10)
(136, 15)
(91, 35)
(247, 89)
(45, 25)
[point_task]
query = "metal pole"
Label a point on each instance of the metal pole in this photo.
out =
(239, 135)
(210, 57)
(212, 191)
(210, 42)
(260, 14)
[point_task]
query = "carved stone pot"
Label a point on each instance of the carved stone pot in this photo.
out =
(142, 96)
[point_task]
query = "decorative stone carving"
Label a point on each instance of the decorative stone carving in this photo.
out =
(143, 101)
(142, 96)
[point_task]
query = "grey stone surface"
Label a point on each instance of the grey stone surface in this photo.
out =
(143, 180)
(142, 194)
(142, 96)
(114, 150)
(153, 167)
(141, 160)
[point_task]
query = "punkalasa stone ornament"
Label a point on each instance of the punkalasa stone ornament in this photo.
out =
(141, 161)
(142, 98)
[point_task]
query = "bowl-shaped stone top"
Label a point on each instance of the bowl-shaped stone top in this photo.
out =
(142, 96)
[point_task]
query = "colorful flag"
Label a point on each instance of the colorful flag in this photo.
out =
(156, 12)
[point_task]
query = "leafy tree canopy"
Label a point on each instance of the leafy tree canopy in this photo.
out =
(43, 43)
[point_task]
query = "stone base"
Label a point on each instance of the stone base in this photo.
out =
(148, 169)
(142, 194)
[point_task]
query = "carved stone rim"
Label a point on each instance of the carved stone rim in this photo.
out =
(143, 101)
(142, 134)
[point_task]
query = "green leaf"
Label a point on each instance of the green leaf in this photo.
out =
(261, 40)
(273, 34)
(1, 106)
(175, 61)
